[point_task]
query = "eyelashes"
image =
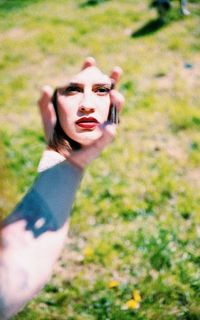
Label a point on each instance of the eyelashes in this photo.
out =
(102, 90)
(99, 90)
(72, 90)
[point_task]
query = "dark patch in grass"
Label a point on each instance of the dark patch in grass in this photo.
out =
(192, 122)
(160, 259)
(118, 246)
(7, 6)
(196, 121)
(149, 28)
(160, 74)
(107, 194)
(186, 215)
(182, 298)
(156, 248)
(194, 146)
(195, 285)
(197, 261)
(51, 288)
(128, 86)
(90, 3)
(129, 215)
(166, 194)
(155, 25)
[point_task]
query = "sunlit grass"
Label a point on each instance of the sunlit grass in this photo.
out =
(136, 217)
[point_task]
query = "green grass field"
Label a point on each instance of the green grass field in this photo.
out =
(136, 223)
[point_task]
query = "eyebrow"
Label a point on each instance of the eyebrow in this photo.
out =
(74, 84)
(102, 84)
(95, 84)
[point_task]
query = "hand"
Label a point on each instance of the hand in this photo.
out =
(84, 156)
(46, 107)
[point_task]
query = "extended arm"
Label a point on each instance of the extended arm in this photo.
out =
(33, 236)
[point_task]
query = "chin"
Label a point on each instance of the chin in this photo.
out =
(88, 138)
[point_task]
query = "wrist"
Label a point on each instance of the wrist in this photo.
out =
(49, 159)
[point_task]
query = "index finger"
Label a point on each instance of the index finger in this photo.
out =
(115, 75)
(88, 62)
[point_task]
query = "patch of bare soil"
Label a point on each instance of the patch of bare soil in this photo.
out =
(185, 72)
(17, 120)
(71, 263)
(16, 34)
(194, 177)
(173, 148)
(154, 138)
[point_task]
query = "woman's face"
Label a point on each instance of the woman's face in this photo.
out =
(84, 104)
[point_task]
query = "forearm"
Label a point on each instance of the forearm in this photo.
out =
(33, 236)
(26, 265)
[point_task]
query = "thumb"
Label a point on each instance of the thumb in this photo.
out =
(83, 157)
(108, 134)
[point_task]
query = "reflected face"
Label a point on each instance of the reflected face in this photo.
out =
(84, 104)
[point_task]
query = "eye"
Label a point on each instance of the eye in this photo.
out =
(70, 90)
(102, 90)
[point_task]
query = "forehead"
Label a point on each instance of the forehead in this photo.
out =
(90, 76)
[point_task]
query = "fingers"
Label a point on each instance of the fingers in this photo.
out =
(46, 107)
(47, 111)
(83, 157)
(108, 135)
(117, 99)
(89, 62)
(46, 95)
(116, 74)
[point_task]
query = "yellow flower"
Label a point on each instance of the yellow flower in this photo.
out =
(132, 304)
(88, 252)
(136, 296)
(113, 284)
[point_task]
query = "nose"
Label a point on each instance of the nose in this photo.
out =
(86, 110)
(86, 104)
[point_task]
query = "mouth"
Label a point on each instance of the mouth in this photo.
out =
(87, 123)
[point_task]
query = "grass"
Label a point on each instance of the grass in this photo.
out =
(136, 216)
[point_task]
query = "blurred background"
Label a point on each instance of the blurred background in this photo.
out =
(133, 248)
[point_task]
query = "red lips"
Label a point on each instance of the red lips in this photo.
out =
(87, 122)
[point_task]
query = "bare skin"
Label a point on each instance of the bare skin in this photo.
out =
(46, 107)
(34, 233)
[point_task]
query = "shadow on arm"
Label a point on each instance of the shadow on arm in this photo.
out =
(47, 206)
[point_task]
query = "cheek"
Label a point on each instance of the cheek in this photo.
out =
(104, 108)
(63, 117)
(66, 122)
(67, 109)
